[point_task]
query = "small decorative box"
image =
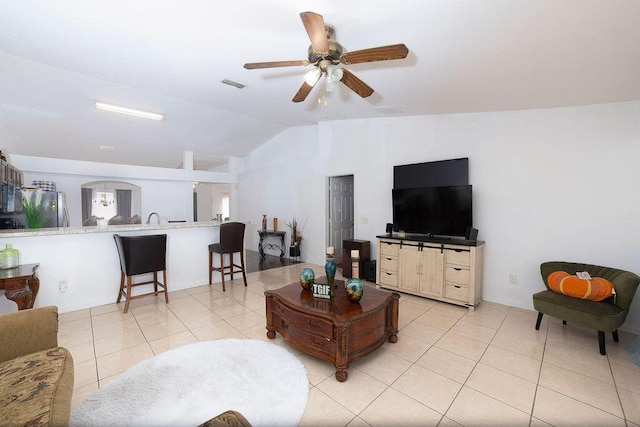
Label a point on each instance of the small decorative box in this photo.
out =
(44, 185)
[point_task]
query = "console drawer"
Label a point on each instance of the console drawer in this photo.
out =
(311, 341)
(456, 292)
(458, 257)
(388, 264)
(389, 249)
(304, 322)
(389, 278)
(457, 275)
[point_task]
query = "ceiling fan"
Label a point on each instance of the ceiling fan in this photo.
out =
(325, 53)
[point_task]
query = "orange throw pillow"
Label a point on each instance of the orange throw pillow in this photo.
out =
(596, 289)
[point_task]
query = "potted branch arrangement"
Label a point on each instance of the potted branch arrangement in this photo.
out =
(296, 237)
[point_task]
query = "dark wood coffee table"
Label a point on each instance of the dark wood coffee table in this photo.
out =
(335, 329)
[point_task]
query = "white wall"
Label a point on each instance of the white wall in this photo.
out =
(283, 178)
(218, 193)
(553, 184)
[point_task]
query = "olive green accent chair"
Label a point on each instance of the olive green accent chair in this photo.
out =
(603, 316)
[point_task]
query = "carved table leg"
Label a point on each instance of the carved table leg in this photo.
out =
(341, 357)
(342, 376)
(271, 334)
(260, 249)
(24, 294)
(393, 338)
(282, 246)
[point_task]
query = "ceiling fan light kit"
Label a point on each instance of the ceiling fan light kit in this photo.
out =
(325, 53)
(312, 77)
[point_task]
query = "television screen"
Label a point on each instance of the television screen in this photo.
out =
(432, 174)
(441, 211)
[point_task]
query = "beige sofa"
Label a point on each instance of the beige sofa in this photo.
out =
(36, 375)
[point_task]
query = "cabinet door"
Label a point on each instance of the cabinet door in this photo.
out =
(409, 274)
(432, 272)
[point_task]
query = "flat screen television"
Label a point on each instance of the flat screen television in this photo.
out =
(435, 211)
(432, 174)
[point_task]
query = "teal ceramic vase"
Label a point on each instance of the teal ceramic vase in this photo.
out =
(330, 269)
(354, 289)
(307, 277)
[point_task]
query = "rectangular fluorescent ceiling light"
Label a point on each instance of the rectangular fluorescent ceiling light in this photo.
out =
(128, 111)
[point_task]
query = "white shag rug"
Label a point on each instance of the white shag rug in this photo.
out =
(189, 385)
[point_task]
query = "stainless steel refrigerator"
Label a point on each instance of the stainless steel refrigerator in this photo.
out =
(55, 207)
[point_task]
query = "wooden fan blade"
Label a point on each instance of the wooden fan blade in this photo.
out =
(382, 53)
(355, 84)
(275, 64)
(302, 93)
(314, 24)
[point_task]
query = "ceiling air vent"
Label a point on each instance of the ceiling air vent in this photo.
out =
(387, 110)
(232, 83)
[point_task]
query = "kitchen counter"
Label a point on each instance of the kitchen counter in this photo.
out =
(38, 232)
(80, 268)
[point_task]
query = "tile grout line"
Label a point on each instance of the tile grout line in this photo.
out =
(544, 352)
(615, 385)
(476, 365)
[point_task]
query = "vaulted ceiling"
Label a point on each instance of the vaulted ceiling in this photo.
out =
(170, 57)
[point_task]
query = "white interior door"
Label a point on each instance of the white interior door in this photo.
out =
(340, 212)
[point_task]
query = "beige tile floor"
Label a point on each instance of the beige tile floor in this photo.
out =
(449, 367)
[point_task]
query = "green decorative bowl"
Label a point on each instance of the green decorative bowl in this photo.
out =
(354, 289)
(307, 277)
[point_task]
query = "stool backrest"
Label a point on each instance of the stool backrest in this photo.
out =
(142, 254)
(231, 237)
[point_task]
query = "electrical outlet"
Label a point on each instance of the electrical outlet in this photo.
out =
(63, 285)
(513, 279)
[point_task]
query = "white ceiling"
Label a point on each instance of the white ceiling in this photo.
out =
(58, 57)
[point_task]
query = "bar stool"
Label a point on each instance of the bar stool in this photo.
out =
(231, 241)
(142, 255)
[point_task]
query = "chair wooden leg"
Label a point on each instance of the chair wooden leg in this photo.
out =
(244, 275)
(539, 321)
(129, 286)
(231, 264)
(155, 281)
(121, 287)
(164, 282)
(210, 266)
(615, 336)
(601, 342)
(222, 271)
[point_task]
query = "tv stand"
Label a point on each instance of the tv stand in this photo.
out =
(440, 268)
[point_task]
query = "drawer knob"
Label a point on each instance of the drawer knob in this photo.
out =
(309, 324)
(317, 343)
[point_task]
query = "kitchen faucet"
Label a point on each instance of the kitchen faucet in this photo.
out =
(152, 214)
